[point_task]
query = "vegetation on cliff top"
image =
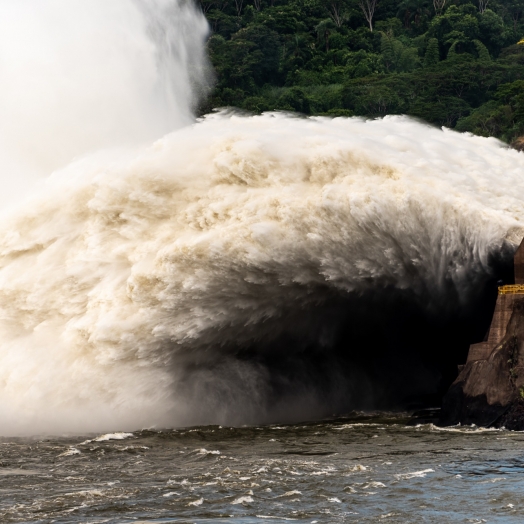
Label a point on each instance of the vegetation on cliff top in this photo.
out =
(449, 62)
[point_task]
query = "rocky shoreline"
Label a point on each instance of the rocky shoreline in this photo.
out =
(489, 390)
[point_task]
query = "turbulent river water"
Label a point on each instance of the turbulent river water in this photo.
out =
(370, 468)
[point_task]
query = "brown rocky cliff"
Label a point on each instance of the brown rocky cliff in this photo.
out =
(518, 143)
(490, 391)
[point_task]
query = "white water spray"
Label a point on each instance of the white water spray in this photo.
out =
(125, 284)
(80, 76)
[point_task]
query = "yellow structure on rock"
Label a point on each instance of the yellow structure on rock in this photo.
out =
(512, 289)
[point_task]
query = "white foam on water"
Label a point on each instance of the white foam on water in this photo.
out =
(290, 493)
(112, 436)
(204, 451)
(275, 518)
(414, 474)
(70, 452)
(358, 468)
(243, 500)
(373, 484)
(462, 429)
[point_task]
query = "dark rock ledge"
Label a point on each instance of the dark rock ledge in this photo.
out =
(489, 390)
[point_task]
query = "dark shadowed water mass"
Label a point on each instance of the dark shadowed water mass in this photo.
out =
(358, 469)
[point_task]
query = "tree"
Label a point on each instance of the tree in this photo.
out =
(408, 59)
(396, 56)
(263, 52)
(299, 50)
(323, 31)
(438, 5)
(294, 99)
(366, 97)
(413, 13)
(489, 119)
(368, 8)
(337, 10)
(363, 58)
(238, 5)
(387, 50)
(493, 33)
(432, 55)
(503, 116)
(206, 5)
(513, 9)
(483, 5)
(456, 29)
(482, 51)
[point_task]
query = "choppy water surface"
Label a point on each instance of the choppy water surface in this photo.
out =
(361, 469)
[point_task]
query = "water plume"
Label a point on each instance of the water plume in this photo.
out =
(240, 269)
(156, 291)
(78, 77)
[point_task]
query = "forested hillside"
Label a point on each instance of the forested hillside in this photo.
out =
(452, 63)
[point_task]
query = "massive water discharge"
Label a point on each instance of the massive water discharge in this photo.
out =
(240, 269)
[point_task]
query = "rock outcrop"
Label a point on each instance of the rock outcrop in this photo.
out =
(489, 390)
(518, 143)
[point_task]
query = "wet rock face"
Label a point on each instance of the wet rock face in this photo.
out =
(513, 418)
(490, 392)
(518, 143)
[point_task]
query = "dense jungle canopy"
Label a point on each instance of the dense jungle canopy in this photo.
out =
(449, 62)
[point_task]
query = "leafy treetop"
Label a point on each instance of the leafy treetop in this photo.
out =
(450, 62)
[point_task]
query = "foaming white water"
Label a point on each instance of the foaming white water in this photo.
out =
(124, 280)
(78, 76)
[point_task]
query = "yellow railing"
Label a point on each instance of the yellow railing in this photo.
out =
(514, 289)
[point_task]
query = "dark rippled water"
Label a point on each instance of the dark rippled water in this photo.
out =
(361, 469)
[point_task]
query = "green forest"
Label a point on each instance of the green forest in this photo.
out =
(452, 63)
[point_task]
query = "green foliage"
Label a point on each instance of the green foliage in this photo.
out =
(294, 99)
(482, 51)
(494, 33)
(503, 116)
(396, 56)
(459, 68)
(432, 55)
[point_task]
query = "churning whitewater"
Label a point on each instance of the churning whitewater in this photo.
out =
(121, 281)
(131, 281)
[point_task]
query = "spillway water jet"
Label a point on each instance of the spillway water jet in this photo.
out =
(79, 77)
